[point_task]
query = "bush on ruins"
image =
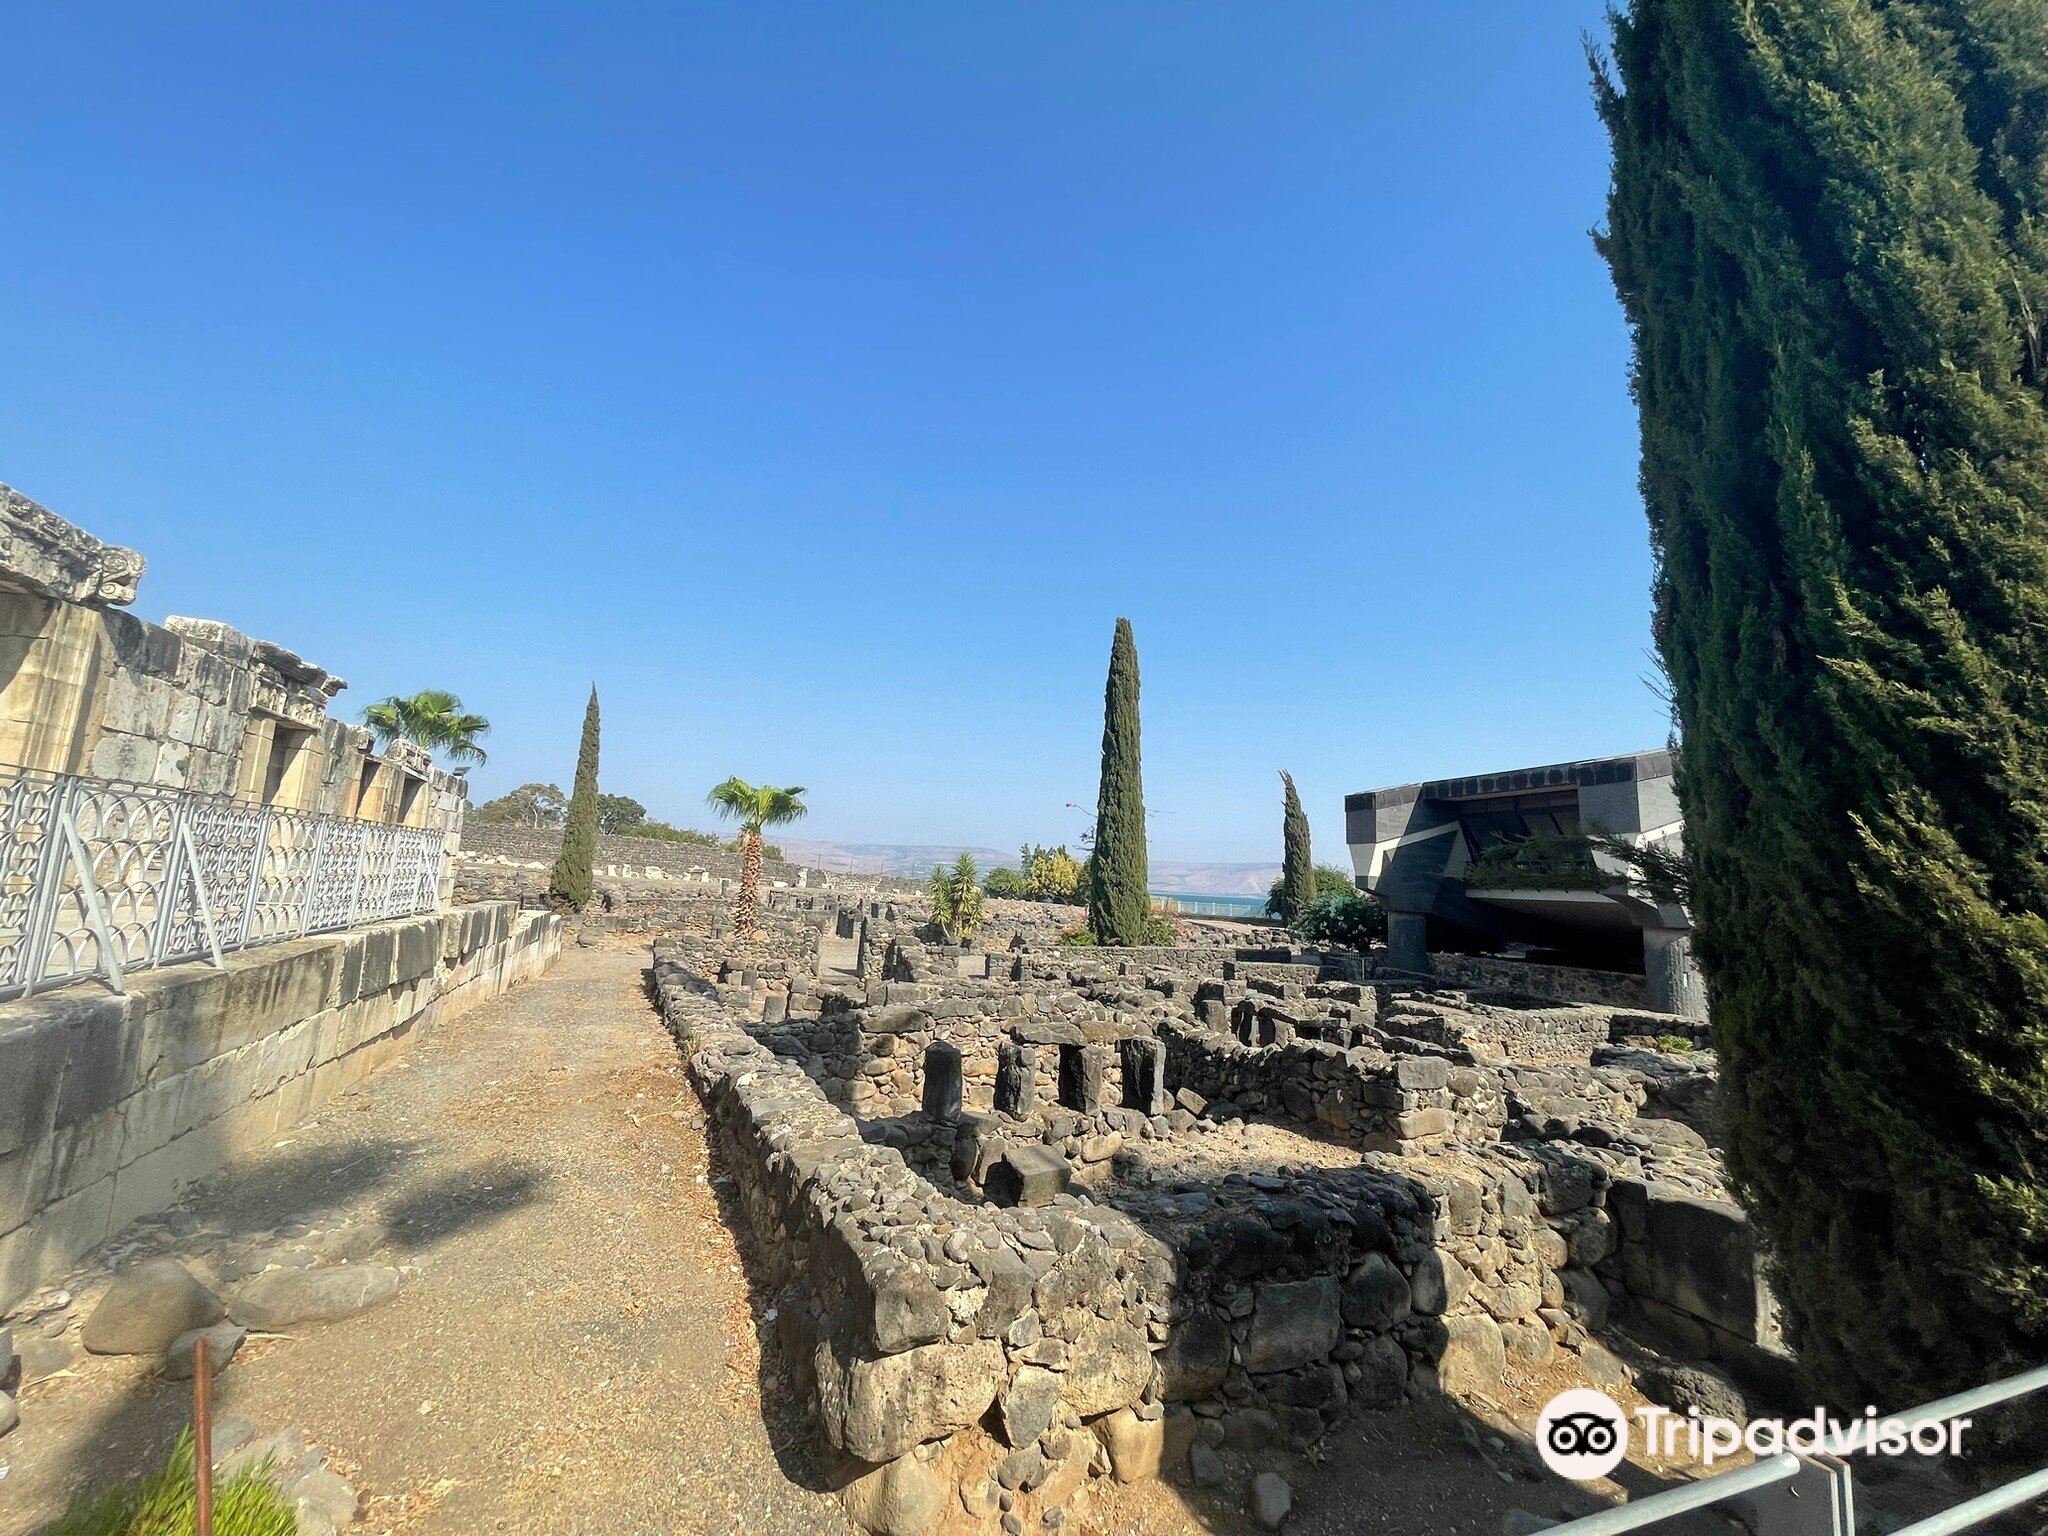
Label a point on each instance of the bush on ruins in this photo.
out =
(1343, 918)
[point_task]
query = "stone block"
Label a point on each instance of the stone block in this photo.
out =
(877, 1409)
(1081, 1074)
(1294, 1323)
(1027, 1175)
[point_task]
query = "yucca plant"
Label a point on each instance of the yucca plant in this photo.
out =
(753, 807)
(956, 898)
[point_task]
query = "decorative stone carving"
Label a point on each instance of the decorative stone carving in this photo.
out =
(43, 554)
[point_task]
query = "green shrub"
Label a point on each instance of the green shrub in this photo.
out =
(1052, 874)
(1678, 1045)
(1345, 919)
(1542, 861)
(1330, 881)
(1006, 883)
(247, 1504)
(1078, 937)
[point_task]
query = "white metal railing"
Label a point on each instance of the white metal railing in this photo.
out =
(1798, 1495)
(99, 878)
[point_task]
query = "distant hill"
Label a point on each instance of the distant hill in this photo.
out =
(915, 860)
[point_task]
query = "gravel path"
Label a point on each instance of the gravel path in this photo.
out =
(573, 1347)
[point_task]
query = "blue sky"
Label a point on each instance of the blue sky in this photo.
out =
(824, 381)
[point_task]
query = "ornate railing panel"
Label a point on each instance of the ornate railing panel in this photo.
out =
(100, 878)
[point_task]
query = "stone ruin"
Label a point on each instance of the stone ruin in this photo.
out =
(1033, 1214)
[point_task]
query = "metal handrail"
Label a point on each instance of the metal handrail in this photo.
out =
(1777, 1469)
(99, 877)
(1679, 1501)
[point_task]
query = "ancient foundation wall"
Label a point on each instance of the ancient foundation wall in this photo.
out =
(111, 1105)
(1565, 983)
(917, 1313)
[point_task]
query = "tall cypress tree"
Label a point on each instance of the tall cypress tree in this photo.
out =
(1827, 229)
(1119, 897)
(1297, 869)
(569, 885)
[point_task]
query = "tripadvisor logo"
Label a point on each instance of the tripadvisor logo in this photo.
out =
(1582, 1434)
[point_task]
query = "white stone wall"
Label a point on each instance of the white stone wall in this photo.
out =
(111, 1106)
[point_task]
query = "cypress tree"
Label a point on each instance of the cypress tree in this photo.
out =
(1827, 228)
(1119, 896)
(1297, 869)
(569, 885)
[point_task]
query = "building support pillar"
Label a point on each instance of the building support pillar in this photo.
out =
(1408, 941)
(1675, 983)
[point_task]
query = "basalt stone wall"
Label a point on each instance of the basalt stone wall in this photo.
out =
(1566, 983)
(1362, 1097)
(944, 1341)
(112, 1105)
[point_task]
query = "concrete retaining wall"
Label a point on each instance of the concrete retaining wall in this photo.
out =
(111, 1106)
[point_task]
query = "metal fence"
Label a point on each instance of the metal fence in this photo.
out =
(1814, 1495)
(100, 878)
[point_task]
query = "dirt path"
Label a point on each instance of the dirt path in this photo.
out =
(572, 1348)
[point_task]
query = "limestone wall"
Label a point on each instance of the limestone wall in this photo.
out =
(111, 1105)
(190, 704)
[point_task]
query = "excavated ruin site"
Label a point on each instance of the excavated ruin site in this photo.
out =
(1033, 1214)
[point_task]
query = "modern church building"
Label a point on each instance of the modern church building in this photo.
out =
(1422, 849)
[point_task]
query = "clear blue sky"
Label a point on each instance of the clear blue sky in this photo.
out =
(824, 381)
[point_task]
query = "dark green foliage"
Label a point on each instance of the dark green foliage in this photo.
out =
(1006, 882)
(1119, 899)
(620, 815)
(569, 884)
(1344, 918)
(1542, 861)
(1297, 868)
(1829, 229)
(1329, 881)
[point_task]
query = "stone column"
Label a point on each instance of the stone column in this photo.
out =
(1016, 1079)
(942, 1081)
(1081, 1078)
(1408, 941)
(1144, 1064)
(1675, 984)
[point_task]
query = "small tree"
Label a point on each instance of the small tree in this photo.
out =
(753, 807)
(620, 815)
(1005, 883)
(955, 895)
(1297, 869)
(533, 806)
(1120, 902)
(1052, 874)
(569, 884)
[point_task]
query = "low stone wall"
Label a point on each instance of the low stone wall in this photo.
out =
(110, 1106)
(1565, 983)
(919, 1314)
(1364, 1098)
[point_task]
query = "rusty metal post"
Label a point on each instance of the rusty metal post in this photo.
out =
(202, 1437)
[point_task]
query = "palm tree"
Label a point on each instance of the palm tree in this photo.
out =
(753, 807)
(433, 718)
